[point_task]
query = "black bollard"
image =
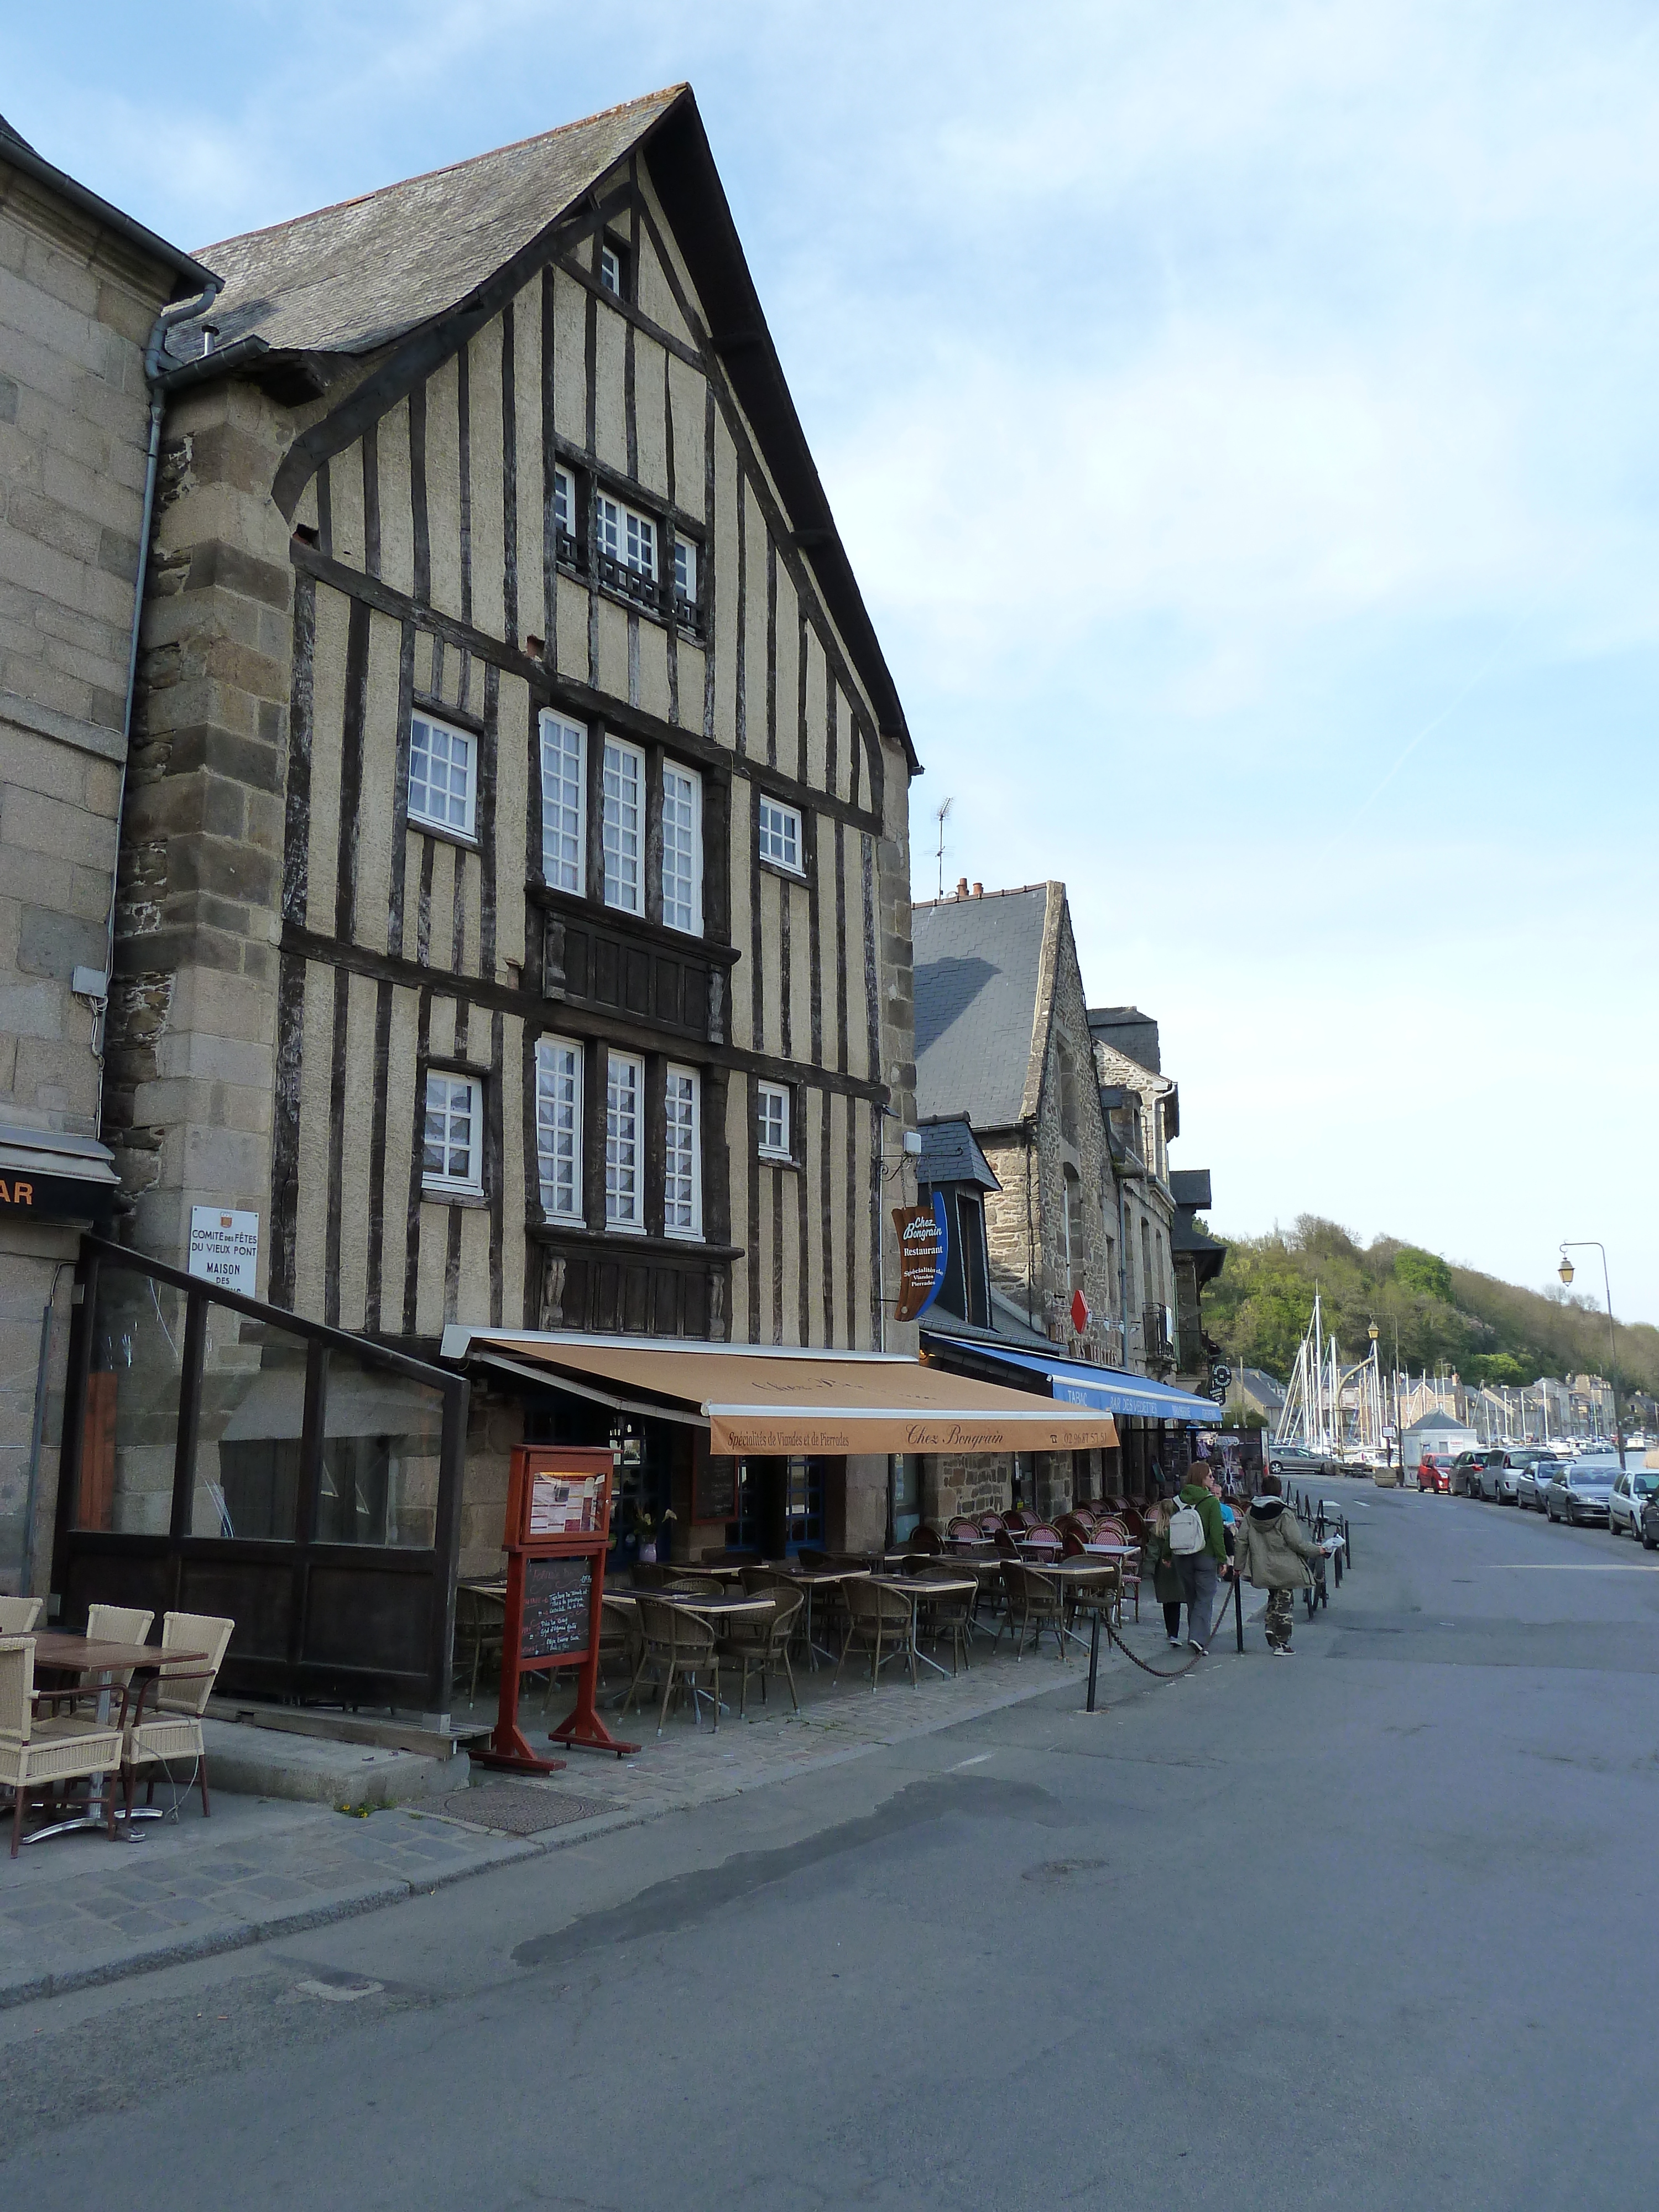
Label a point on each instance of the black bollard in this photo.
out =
(1238, 1609)
(1094, 1657)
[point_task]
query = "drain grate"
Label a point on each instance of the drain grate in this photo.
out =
(517, 1811)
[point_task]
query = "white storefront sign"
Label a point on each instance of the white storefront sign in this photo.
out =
(224, 1247)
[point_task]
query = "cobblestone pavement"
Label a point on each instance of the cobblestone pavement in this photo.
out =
(78, 1909)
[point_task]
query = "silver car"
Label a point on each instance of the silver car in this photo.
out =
(1581, 1491)
(1630, 1493)
(1532, 1480)
(1500, 1477)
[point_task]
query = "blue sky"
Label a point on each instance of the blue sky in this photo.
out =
(1242, 420)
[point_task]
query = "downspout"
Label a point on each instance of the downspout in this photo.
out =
(181, 311)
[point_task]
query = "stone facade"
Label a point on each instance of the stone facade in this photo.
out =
(81, 287)
(1149, 1211)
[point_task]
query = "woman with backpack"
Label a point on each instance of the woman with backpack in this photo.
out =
(1155, 1556)
(1275, 1555)
(1198, 1540)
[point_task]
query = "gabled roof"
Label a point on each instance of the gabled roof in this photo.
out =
(351, 277)
(423, 262)
(1128, 1031)
(977, 968)
(190, 276)
(948, 1154)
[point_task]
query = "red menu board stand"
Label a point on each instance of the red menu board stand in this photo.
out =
(558, 1528)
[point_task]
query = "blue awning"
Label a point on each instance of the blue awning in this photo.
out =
(1108, 1388)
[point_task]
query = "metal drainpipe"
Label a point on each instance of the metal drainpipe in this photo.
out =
(181, 311)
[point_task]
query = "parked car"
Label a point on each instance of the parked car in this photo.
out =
(1466, 1471)
(1532, 1481)
(1434, 1472)
(1501, 1476)
(1580, 1492)
(1648, 1530)
(1630, 1493)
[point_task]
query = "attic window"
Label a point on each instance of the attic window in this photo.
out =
(613, 268)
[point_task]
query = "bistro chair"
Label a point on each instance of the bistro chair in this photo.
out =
(652, 1574)
(1040, 1535)
(924, 1539)
(174, 1729)
(1104, 1597)
(878, 1617)
(680, 1649)
(19, 1614)
(619, 1638)
(694, 1586)
(949, 1615)
(989, 1524)
(1005, 1546)
(959, 1529)
(809, 1556)
(480, 1631)
(1016, 1519)
(1034, 1604)
(37, 1756)
(117, 1624)
(758, 1646)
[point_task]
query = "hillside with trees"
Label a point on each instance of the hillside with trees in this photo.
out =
(1447, 1318)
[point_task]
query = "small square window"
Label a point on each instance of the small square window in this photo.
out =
(626, 539)
(780, 835)
(453, 1155)
(443, 775)
(613, 268)
(772, 1103)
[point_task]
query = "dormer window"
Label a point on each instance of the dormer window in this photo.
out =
(613, 267)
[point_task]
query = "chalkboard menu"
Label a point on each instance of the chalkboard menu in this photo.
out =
(716, 1497)
(558, 1601)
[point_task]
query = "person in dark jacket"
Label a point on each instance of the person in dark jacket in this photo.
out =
(1155, 1556)
(1198, 1570)
(1274, 1554)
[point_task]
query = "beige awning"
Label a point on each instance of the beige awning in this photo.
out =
(787, 1400)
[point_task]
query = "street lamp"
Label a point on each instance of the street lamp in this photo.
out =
(1565, 1271)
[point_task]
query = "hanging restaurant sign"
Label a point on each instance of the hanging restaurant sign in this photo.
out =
(924, 1247)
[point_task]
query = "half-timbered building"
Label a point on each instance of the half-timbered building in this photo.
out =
(515, 909)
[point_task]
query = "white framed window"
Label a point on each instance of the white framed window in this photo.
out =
(772, 1118)
(628, 538)
(622, 832)
(683, 1155)
(613, 269)
(564, 802)
(624, 1180)
(559, 1127)
(453, 1155)
(564, 514)
(685, 572)
(780, 835)
(681, 849)
(442, 774)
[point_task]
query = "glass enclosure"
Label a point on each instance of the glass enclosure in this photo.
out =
(130, 1437)
(382, 1440)
(246, 1477)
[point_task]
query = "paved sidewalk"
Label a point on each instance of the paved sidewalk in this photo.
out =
(76, 1910)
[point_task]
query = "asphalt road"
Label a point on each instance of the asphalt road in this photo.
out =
(1374, 1926)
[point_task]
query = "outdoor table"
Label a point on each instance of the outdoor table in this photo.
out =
(60, 1653)
(808, 1579)
(918, 1588)
(1073, 1572)
(735, 1606)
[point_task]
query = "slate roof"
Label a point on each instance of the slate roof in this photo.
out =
(351, 277)
(948, 1154)
(975, 979)
(1191, 1187)
(1128, 1031)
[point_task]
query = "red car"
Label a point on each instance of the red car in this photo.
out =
(1434, 1472)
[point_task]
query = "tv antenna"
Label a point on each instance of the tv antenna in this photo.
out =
(939, 813)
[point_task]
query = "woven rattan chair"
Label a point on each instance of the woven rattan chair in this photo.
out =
(921, 1538)
(758, 1646)
(172, 1728)
(1034, 1604)
(117, 1624)
(480, 1632)
(959, 1529)
(652, 1574)
(695, 1585)
(949, 1615)
(990, 1522)
(1004, 1546)
(38, 1756)
(18, 1615)
(878, 1621)
(681, 1649)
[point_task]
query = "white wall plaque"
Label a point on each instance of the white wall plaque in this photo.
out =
(224, 1247)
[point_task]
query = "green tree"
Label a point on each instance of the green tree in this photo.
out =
(1425, 1272)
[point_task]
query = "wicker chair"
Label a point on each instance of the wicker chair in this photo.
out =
(652, 1574)
(480, 1632)
(924, 1539)
(37, 1756)
(990, 1522)
(758, 1646)
(1034, 1603)
(173, 1729)
(1041, 1537)
(117, 1624)
(694, 1585)
(949, 1615)
(877, 1617)
(18, 1615)
(682, 1649)
(1005, 1546)
(959, 1529)
(1017, 1518)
